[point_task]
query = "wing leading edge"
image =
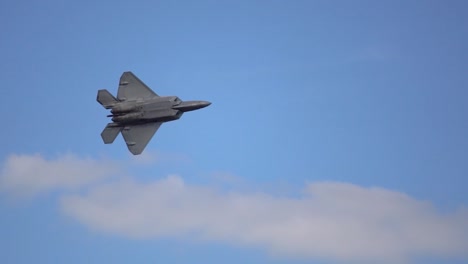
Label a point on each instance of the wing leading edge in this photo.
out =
(131, 88)
(138, 136)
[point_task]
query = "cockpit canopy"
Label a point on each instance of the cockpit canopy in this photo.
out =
(176, 100)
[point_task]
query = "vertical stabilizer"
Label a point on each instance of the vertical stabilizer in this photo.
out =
(110, 132)
(106, 99)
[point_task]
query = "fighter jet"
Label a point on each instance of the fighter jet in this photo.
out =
(138, 112)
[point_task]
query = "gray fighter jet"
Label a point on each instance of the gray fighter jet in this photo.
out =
(138, 112)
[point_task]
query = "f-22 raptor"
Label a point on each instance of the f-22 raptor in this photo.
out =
(138, 112)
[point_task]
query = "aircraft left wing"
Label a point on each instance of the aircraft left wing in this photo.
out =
(131, 88)
(138, 136)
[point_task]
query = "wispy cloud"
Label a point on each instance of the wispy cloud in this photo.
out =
(327, 220)
(30, 175)
(331, 220)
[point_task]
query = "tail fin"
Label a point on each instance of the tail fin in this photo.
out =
(106, 99)
(110, 132)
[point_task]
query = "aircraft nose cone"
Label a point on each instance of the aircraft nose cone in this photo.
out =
(200, 104)
(204, 103)
(191, 105)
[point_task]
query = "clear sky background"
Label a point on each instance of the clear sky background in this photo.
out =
(337, 132)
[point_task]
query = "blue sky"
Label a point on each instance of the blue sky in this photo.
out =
(336, 134)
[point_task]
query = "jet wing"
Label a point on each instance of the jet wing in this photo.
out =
(131, 88)
(138, 136)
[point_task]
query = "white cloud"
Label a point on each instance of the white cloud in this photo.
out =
(335, 221)
(28, 175)
(329, 220)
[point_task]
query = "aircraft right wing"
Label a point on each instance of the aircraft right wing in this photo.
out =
(131, 88)
(138, 136)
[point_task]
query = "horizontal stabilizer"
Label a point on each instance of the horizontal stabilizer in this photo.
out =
(110, 133)
(106, 99)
